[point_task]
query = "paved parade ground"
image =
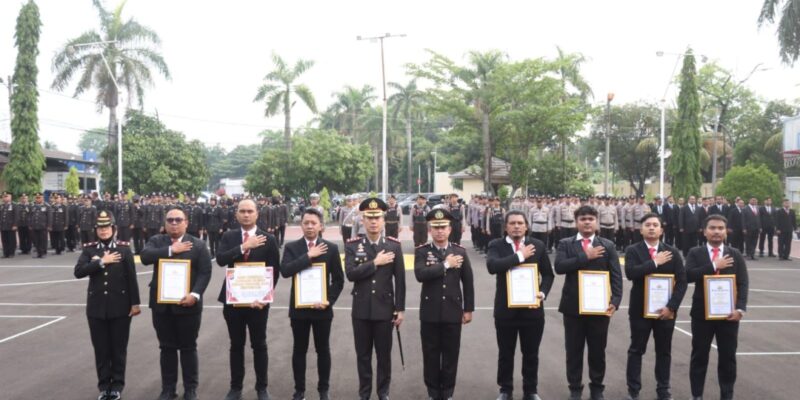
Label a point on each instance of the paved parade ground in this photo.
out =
(45, 351)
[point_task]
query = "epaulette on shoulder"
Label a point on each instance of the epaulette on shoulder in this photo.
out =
(393, 239)
(126, 244)
(456, 245)
(422, 245)
(353, 240)
(91, 244)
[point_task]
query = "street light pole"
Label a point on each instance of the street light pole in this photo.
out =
(608, 139)
(434, 153)
(385, 166)
(116, 87)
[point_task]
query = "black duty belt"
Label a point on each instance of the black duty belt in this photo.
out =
(392, 222)
(568, 220)
(539, 222)
(610, 225)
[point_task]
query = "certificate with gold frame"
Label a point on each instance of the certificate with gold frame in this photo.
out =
(248, 282)
(719, 296)
(311, 286)
(522, 286)
(657, 292)
(594, 292)
(174, 280)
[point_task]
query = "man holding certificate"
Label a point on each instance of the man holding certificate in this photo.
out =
(524, 277)
(719, 273)
(444, 269)
(181, 271)
(591, 294)
(659, 284)
(317, 280)
(251, 257)
(375, 266)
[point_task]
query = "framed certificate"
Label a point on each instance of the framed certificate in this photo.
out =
(522, 286)
(594, 292)
(720, 295)
(173, 280)
(657, 292)
(246, 283)
(311, 286)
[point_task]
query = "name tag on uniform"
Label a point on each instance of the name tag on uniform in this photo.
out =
(44, 209)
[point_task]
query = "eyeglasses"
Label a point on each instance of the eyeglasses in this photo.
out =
(175, 220)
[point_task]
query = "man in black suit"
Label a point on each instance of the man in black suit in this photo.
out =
(299, 255)
(110, 267)
(642, 259)
(444, 270)
(751, 222)
(665, 213)
(713, 259)
(672, 235)
(689, 225)
(785, 225)
(578, 253)
(526, 323)
(247, 244)
(736, 225)
(719, 207)
(766, 214)
(703, 212)
(177, 325)
(375, 266)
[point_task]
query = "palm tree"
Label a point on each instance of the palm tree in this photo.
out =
(131, 52)
(407, 101)
(788, 27)
(278, 89)
(349, 105)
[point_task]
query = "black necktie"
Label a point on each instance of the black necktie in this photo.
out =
(374, 247)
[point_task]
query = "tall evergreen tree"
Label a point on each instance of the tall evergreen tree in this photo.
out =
(684, 166)
(24, 171)
(72, 184)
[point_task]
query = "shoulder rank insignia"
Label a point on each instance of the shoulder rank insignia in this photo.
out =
(393, 239)
(422, 245)
(91, 244)
(353, 240)
(126, 244)
(456, 245)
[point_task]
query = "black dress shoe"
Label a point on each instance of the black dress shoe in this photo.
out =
(104, 394)
(575, 395)
(597, 396)
(114, 395)
(504, 396)
(234, 394)
(531, 396)
(190, 394)
(697, 397)
(383, 397)
(299, 396)
(168, 394)
(324, 396)
(632, 396)
(262, 394)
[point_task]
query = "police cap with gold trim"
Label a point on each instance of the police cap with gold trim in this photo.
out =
(104, 218)
(373, 207)
(439, 217)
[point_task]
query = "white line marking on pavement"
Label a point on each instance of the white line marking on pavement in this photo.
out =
(774, 291)
(757, 321)
(689, 334)
(36, 266)
(32, 329)
(58, 281)
(786, 353)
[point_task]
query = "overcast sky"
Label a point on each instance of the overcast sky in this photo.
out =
(219, 51)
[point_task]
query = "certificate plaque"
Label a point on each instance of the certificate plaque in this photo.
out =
(594, 292)
(522, 286)
(173, 280)
(720, 296)
(247, 283)
(311, 286)
(657, 292)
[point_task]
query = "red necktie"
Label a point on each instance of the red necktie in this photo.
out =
(516, 246)
(586, 243)
(311, 244)
(714, 256)
(652, 253)
(246, 252)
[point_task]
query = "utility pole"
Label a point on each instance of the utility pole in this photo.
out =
(385, 164)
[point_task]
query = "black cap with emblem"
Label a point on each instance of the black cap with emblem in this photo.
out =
(373, 207)
(439, 217)
(104, 219)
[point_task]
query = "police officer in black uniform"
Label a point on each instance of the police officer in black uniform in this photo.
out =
(494, 219)
(40, 221)
(154, 217)
(138, 220)
(22, 224)
(86, 217)
(195, 212)
(456, 210)
(124, 211)
(418, 223)
(9, 213)
(72, 224)
(444, 270)
(375, 265)
(59, 225)
(393, 214)
(113, 298)
(213, 224)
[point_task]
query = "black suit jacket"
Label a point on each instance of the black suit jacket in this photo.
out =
(689, 221)
(295, 259)
(441, 297)
(719, 210)
(571, 258)
(767, 218)
(230, 252)
(735, 220)
(638, 264)
(157, 248)
(113, 288)
(698, 265)
(377, 291)
(750, 220)
(500, 259)
(785, 222)
(665, 214)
